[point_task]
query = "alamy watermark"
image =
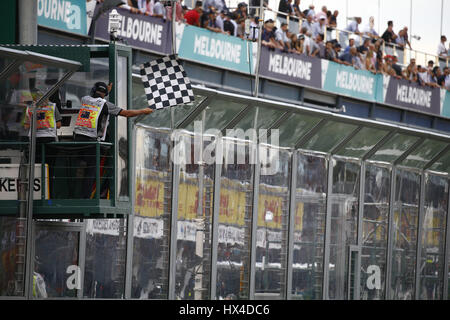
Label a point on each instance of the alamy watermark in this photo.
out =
(241, 147)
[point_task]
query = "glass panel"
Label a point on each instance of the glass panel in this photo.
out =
(55, 252)
(375, 232)
(433, 238)
(104, 275)
(235, 223)
(424, 153)
(309, 227)
(12, 246)
(443, 164)
(362, 143)
(344, 224)
(122, 125)
(272, 226)
(329, 136)
(195, 193)
(394, 148)
(293, 128)
(248, 121)
(404, 236)
(151, 215)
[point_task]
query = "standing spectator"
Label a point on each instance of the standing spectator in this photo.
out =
(146, 7)
(354, 26)
(220, 5)
(241, 28)
(349, 58)
(220, 19)
(208, 4)
(320, 45)
(321, 14)
(337, 50)
(333, 19)
(297, 12)
(254, 29)
(319, 27)
(178, 11)
(447, 78)
(442, 50)
(285, 7)
(389, 35)
(257, 3)
(369, 63)
(308, 23)
(410, 73)
(330, 54)
(281, 36)
(438, 77)
(365, 45)
(192, 17)
(402, 38)
(268, 36)
(159, 10)
(241, 11)
(369, 29)
(310, 11)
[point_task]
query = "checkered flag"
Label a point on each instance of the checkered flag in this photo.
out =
(166, 83)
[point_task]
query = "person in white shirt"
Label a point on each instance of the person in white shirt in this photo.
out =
(369, 29)
(159, 10)
(353, 26)
(281, 36)
(442, 50)
(319, 27)
(308, 23)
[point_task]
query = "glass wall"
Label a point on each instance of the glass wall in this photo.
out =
(344, 225)
(235, 221)
(153, 188)
(309, 226)
(195, 198)
(432, 241)
(404, 235)
(272, 225)
(374, 232)
(104, 275)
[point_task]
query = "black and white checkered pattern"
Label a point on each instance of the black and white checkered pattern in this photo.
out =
(166, 83)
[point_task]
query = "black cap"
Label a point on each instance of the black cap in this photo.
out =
(101, 87)
(337, 45)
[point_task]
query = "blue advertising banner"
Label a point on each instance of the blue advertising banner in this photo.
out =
(139, 31)
(215, 49)
(350, 82)
(445, 96)
(292, 68)
(65, 15)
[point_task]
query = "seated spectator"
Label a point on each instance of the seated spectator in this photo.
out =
(369, 29)
(354, 26)
(321, 46)
(192, 17)
(281, 36)
(349, 58)
(389, 35)
(208, 21)
(319, 27)
(333, 19)
(308, 23)
(387, 67)
(369, 62)
(241, 28)
(229, 26)
(402, 38)
(297, 43)
(396, 67)
(337, 50)
(410, 73)
(442, 50)
(438, 77)
(254, 29)
(268, 35)
(330, 54)
(351, 44)
(159, 10)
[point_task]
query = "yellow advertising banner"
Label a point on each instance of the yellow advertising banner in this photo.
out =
(149, 193)
(232, 203)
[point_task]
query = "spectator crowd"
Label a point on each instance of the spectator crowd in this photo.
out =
(314, 37)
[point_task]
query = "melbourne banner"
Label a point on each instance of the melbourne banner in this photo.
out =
(445, 101)
(65, 15)
(292, 68)
(407, 94)
(214, 49)
(350, 82)
(139, 31)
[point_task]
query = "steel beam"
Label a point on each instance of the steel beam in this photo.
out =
(308, 135)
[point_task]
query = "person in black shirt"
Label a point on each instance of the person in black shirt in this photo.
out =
(285, 6)
(389, 35)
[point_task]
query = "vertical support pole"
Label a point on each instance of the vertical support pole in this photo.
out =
(362, 186)
(30, 238)
(258, 54)
(43, 171)
(447, 249)
(256, 177)
(82, 257)
(291, 224)
(174, 216)
(420, 234)
(390, 240)
(174, 26)
(97, 171)
(326, 258)
(215, 227)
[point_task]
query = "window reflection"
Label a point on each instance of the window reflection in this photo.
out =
(309, 227)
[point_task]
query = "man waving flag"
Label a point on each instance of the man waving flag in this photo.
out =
(166, 83)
